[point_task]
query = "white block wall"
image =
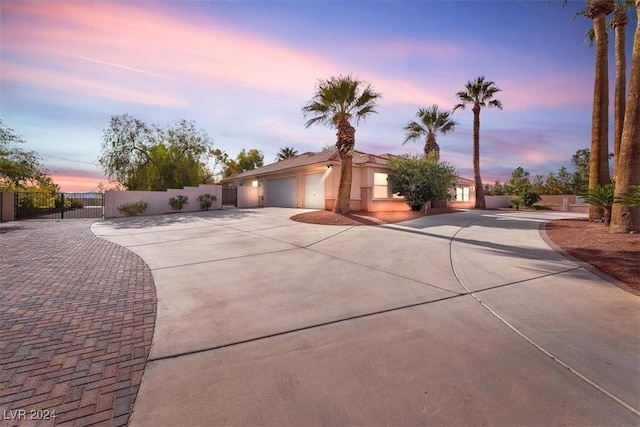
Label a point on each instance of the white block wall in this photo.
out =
(158, 201)
(248, 197)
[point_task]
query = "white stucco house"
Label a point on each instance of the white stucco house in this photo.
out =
(311, 180)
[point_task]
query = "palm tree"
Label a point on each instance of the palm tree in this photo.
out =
(628, 169)
(432, 122)
(619, 22)
(601, 196)
(478, 92)
(337, 101)
(597, 10)
(286, 153)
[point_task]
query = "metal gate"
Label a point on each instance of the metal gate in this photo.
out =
(230, 196)
(32, 205)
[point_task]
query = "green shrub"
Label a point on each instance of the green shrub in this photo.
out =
(178, 202)
(602, 197)
(133, 208)
(57, 202)
(35, 200)
(206, 200)
(528, 198)
(69, 203)
(516, 203)
(631, 198)
(74, 203)
(540, 207)
(420, 179)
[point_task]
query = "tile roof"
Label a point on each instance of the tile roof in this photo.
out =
(309, 158)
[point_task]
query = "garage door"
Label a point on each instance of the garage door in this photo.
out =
(314, 191)
(281, 192)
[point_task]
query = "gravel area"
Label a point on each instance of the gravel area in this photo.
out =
(615, 254)
(366, 218)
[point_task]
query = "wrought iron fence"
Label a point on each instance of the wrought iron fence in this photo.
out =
(230, 196)
(33, 205)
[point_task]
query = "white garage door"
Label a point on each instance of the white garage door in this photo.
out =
(281, 192)
(313, 191)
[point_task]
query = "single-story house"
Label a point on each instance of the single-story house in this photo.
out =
(311, 180)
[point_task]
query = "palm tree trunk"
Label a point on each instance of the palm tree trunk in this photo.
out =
(599, 162)
(344, 190)
(345, 144)
(431, 146)
(624, 219)
(480, 202)
(619, 21)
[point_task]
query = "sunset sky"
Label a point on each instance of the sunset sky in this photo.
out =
(242, 70)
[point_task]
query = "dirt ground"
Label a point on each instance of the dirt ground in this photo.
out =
(365, 218)
(615, 254)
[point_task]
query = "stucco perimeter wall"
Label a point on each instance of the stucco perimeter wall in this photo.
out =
(556, 199)
(495, 202)
(566, 203)
(461, 205)
(248, 197)
(370, 204)
(7, 206)
(158, 201)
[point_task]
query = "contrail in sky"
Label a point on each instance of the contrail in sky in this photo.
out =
(111, 64)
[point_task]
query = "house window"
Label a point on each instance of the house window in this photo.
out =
(381, 188)
(462, 194)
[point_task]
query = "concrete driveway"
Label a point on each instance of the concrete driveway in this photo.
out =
(460, 319)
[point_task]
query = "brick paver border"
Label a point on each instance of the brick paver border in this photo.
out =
(76, 320)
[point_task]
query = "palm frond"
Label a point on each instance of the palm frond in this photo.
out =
(414, 131)
(317, 119)
(479, 92)
(495, 103)
(340, 97)
(601, 195)
(630, 198)
(433, 120)
(364, 112)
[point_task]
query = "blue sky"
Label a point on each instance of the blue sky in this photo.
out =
(242, 70)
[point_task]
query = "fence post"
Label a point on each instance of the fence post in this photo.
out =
(62, 200)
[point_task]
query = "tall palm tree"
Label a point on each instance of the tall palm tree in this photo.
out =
(337, 101)
(432, 121)
(623, 219)
(597, 10)
(286, 153)
(478, 92)
(619, 22)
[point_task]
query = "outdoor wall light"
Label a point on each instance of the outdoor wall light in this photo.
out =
(329, 166)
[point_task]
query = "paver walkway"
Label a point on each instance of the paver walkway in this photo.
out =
(76, 323)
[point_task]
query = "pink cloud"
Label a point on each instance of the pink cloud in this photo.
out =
(77, 181)
(404, 48)
(84, 86)
(544, 90)
(84, 47)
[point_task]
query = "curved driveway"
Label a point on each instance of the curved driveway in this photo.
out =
(460, 319)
